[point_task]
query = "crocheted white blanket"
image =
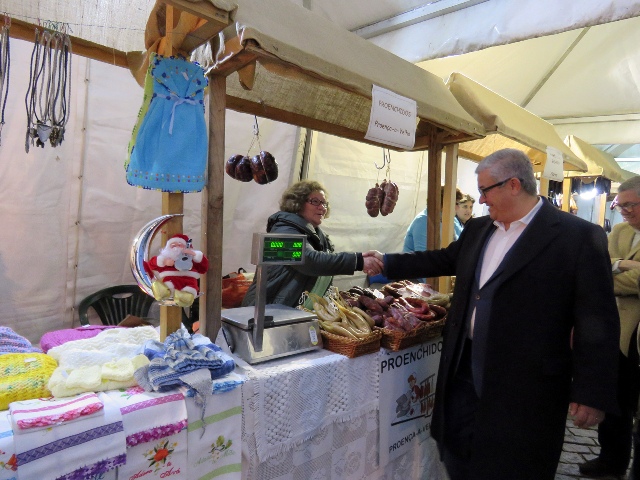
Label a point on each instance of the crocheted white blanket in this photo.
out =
(293, 398)
(104, 362)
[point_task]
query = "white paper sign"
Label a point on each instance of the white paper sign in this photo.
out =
(408, 388)
(554, 165)
(393, 119)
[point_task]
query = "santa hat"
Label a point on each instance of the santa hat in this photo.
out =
(180, 237)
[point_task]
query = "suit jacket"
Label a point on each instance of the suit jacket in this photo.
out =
(558, 279)
(625, 284)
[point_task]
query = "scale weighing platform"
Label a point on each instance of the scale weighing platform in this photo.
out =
(265, 332)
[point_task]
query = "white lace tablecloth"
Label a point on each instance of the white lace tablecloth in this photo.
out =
(315, 416)
(293, 398)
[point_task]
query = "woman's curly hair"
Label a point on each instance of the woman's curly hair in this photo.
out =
(294, 197)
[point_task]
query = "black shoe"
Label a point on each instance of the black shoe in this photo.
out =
(596, 468)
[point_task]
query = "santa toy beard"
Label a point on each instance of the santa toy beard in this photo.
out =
(174, 253)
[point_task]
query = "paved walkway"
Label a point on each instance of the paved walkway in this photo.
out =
(580, 444)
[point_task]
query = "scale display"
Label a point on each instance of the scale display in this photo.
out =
(284, 249)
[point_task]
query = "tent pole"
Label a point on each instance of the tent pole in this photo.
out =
(212, 210)
(566, 194)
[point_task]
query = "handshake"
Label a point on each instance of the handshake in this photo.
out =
(373, 262)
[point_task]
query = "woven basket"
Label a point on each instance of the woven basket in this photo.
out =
(351, 347)
(395, 340)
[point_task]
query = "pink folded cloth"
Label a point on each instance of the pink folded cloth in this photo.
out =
(45, 412)
(58, 337)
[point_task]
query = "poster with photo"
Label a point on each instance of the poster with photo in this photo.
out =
(407, 392)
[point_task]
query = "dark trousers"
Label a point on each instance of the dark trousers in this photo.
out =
(614, 432)
(460, 419)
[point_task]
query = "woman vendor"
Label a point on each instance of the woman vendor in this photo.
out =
(303, 207)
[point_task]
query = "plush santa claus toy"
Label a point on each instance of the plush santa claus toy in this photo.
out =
(176, 271)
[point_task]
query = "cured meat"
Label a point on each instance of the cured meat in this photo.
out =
(230, 166)
(243, 170)
(373, 200)
(264, 168)
(390, 190)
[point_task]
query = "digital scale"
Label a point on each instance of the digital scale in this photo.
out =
(264, 332)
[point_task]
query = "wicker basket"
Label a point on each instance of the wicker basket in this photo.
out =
(395, 340)
(351, 347)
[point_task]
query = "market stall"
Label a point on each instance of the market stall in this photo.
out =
(602, 170)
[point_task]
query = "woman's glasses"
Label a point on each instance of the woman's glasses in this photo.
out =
(316, 203)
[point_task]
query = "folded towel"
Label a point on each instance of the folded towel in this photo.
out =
(83, 449)
(44, 412)
(8, 460)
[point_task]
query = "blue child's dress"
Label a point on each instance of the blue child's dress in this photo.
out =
(168, 150)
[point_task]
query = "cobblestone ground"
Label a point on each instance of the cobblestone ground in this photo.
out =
(580, 444)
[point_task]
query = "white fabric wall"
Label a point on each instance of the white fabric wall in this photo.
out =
(69, 217)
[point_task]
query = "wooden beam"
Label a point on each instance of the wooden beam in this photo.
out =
(212, 209)
(216, 21)
(171, 316)
(26, 31)
(434, 208)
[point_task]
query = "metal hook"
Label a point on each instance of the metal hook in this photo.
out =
(384, 161)
(256, 129)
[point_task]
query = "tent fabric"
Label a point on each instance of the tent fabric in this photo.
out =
(599, 163)
(519, 128)
(311, 67)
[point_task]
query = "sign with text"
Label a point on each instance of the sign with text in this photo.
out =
(554, 165)
(393, 119)
(408, 380)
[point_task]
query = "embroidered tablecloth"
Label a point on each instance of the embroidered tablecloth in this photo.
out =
(293, 398)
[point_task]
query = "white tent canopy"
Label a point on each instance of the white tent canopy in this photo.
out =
(71, 211)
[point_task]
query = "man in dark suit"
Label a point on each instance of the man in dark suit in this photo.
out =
(532, 331)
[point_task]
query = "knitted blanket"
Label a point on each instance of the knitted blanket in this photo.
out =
(24, 376)
(105, 362)
(11, 342)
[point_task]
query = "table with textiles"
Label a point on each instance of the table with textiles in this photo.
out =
(315, 416)
(308, 416)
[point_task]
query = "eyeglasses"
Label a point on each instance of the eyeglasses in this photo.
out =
(627, 207)
(485, 190)
(316, 203)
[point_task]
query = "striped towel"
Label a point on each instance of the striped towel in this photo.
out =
(215, 452)
(82, 449)
(149, 416)
(8, 462)
(45, 412)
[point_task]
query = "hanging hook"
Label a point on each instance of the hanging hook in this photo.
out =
(256, 129)
(384, 161)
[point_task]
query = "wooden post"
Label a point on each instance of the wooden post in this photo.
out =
(566, 194)
(212, 209)
(544, 187)
(448, 205)
(601, 202)
(434, 209)
(170, 317)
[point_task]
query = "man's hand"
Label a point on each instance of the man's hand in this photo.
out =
(373, 264)
(585, 417)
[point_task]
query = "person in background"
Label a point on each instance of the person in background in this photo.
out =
(615, 432)
(415, 240)
(303, 207)
(464, 211)
(527, 276)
